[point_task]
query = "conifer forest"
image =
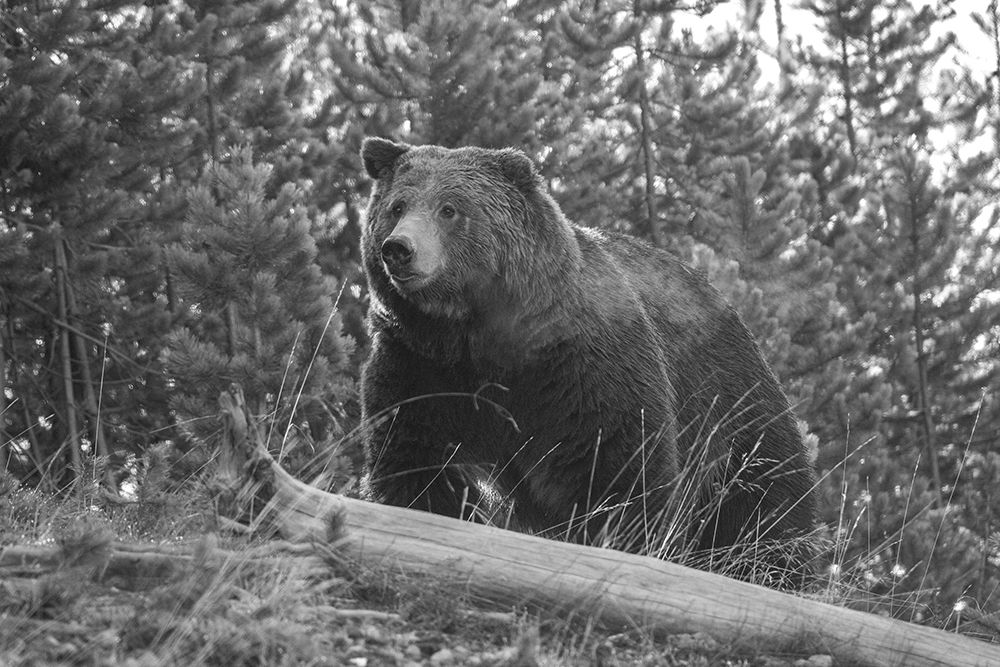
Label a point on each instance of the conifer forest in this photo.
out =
(181, 196)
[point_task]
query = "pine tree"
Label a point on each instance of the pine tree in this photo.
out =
(879, 53)
(252, 93)
(109, 111)
(784, 285)
(631, 74)
(900, 234)
(439, 72)
(971, 96)
(67, 170)
(991, 26)
(261, 313)
(927, 270)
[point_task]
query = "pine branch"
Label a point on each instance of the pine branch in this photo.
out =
(61, 323)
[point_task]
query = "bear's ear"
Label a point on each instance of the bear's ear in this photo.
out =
(379, 154)
(517, 168)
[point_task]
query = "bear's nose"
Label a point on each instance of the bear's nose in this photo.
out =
(397, 251)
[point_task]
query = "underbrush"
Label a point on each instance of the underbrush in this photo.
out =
(151, 582)
(91, 583)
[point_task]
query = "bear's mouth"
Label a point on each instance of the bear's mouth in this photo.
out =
(400, 276)
(405, 280)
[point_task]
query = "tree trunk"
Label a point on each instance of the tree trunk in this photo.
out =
(89, 396)
(5, 439)
(845, 82)
(610, 587)
(923, 386)
(231, 328)
(210, 107)
(34, 447)
(168, 280)
(995, 25)
(781, 47)
(65, 357)
(645, 136)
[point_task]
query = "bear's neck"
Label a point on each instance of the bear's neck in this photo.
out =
(514, 332)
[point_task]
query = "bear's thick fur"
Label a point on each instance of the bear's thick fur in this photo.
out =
(583, 382)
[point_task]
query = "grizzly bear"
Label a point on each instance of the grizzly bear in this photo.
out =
(531, 372)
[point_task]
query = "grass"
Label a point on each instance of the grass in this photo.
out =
(233, 601)
(240, 601)
(663, 531)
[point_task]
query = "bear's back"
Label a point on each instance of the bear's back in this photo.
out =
(717, 371)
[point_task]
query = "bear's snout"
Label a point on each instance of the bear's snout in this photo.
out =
(397, 251)
(412, 253)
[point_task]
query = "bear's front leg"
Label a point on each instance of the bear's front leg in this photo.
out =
(412, 457)
(418, 473)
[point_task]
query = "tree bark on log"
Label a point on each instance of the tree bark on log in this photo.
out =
(613, 588)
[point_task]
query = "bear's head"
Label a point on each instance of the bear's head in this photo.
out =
(453, 232)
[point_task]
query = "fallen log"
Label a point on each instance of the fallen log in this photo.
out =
(612, 587)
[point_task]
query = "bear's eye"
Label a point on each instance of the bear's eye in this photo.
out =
(448, 212)
(397, 209)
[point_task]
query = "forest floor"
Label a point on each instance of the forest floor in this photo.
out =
(214, 608)
(110, 586)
